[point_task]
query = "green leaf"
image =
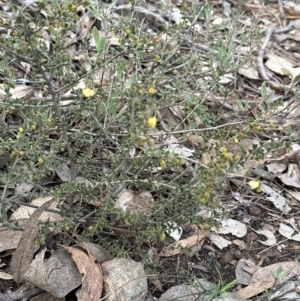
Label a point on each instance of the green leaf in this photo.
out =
(121, 112)
(121, 68)
(286, 72)
(219, 26)
(100, 42)
(263, 88)
(95, 13)
(296, 79)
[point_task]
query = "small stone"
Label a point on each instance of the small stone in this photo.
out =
(254, 211)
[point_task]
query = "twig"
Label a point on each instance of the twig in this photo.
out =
(261, 69)
(54, 95)
(198, 130)
(273, 246)
(281, 12)
(144, 11)
(19, 56)
(260, 63)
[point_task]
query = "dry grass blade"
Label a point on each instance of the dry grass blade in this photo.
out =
(23, 255)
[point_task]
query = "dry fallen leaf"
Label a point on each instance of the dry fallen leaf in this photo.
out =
(271, 239)
(9, 239)
(231, 226)
(189, 242)
(24, 212)
(264, 278)
(49, 274)
(287, 232)
(6, 276)
(23, 255)
(92, 280)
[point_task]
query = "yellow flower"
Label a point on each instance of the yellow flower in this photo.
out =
(203, 201)
(33, 127)
(87, 92)
(206, 194)
(206, 226)
(21, 153)
(272, 125)
(90, 228)
(227, 156)
(163, 164)
(151, 142)
(151, 91)
(235, 140)
(127, 31)
(255, 185)
(162, 236)
(151, 122)
(181, 162)
(237, 158)
(21, 130)
(41, 160)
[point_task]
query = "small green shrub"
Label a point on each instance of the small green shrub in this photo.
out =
(128, 92)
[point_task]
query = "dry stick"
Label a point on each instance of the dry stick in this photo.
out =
(273, 246)
(281, 12)
(54, 95)
(261, 69)
(19, 56)
(143, 10)
(261, 54)
(5, 188)
(197, 130)
(92, 71)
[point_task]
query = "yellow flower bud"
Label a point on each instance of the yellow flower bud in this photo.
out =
(151, 142)
(163, 164)
(203, 201)
(162, 236)
(151, 91)
(41, 160)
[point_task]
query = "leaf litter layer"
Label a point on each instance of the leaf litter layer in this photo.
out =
(149, 123)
